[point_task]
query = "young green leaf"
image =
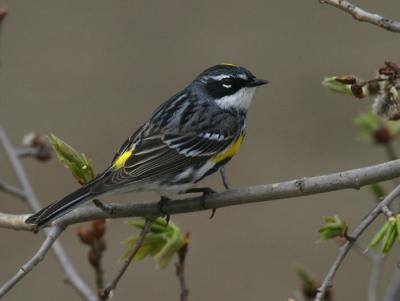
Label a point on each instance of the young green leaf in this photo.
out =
(75, 161)
(380, 235)
(394, 127)
(334, 227)
(398, 224)
(386, 235)
(369, 123)
(307, 279)
(378, 191)
(162, 242)
(335, 84)
(390, 237)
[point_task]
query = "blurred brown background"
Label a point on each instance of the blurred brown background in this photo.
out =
(92, 71)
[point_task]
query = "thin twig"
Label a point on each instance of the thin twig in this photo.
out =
(363, 16)
(28, 266)
(71, 274)
(99, 272)
(10, 189)
(327, 283)
(180, 271)
(375, 276)
(393, 290)
(386, 211)
(26, 152)
(390, 152)
(113, 284)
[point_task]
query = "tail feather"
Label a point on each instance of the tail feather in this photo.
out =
(59, 208)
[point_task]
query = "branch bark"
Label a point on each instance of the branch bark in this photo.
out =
(12, 190)
(71, 274)
(28, 266)
(351, 179)
(113, 284)
(393, 290)
(15, 222)
(363, 16)
(344, 250)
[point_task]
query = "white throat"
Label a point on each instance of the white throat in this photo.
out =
(239, 100)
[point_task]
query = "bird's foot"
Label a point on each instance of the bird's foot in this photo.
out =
(163, 201)
(206, 191)
(106, 208)
(224, 178)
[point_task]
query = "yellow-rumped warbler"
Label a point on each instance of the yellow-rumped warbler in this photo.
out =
(190, 136)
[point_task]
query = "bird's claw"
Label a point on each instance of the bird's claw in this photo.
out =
(161, 205)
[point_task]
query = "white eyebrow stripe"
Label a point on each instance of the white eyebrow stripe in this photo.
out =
(243, 76)
(219, 77)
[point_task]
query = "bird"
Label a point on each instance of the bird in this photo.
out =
(188, 137)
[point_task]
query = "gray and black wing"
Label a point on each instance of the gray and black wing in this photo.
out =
(165, 159)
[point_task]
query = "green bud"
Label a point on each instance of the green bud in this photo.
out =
(334, 227)
(369, 123)
(75, 161)
(308, 280)
(377, 190)
(390, 237)
(380, 235)
(337, 84)
(162, 242)
(398, 223)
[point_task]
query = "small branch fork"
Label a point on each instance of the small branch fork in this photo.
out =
(27, 193)
(12, 190)
(113, 284)
(363, 16)
(327, 283)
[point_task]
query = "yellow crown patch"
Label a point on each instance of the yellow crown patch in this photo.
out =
(227, 64)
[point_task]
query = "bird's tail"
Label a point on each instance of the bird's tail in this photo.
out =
(59, 208)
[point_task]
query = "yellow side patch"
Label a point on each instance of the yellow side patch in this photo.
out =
(230, 152)
(120, 161)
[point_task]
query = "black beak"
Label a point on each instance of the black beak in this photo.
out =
(255, 82)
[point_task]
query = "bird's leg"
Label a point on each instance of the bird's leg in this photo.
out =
(106, 208)
(224, 179)
(164, 200)
(206, 191)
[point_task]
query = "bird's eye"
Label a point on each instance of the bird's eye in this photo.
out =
(227, 83)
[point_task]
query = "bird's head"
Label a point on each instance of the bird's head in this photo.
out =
(229, 86)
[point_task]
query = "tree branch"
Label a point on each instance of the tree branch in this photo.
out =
(355, 179)
(375, 276)
(15, 222)
(351, 179)
(327, 283)
(71, 274)
(10, 189)
(113, 284)
(393, 290)
(28, 266)
(363, 16)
